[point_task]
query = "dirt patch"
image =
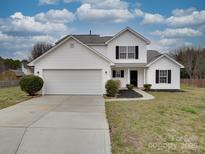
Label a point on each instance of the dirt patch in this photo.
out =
(132, 139)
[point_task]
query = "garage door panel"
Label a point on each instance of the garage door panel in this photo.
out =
(73, 82)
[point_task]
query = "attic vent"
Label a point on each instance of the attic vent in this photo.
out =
(72, 45)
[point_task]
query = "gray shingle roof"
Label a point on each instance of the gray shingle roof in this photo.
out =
(89, 39)
(152, 55)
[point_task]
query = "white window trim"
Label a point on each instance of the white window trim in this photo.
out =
(122, 52)
(126, 52)
(118, 74)
(132, 51)
(163, 76)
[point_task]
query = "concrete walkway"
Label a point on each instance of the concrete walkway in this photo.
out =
(55, 125)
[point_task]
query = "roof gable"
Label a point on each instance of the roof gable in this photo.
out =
(65, 40)
(168, 57)
(130, 30)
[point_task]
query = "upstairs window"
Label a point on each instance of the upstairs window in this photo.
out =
(131, 52)
(122, 52)
(126, 52)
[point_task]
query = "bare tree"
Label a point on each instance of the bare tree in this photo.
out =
(193, 59)
(39, 49)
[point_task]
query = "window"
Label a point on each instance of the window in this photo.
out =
(126, 52)
(118, 73)
(122, 52)
(131, 52)
(163, 76)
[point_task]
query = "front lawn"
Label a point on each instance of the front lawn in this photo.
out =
(174, 122)
(11, 96)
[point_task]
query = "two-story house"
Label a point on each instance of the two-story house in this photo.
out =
(81, 64)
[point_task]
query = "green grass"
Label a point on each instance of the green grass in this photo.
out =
(11, 96)
(171, 123)
(190, 110)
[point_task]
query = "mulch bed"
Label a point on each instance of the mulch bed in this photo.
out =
(128, 94)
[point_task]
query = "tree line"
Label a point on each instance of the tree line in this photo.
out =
(193, 60)
(9, 63)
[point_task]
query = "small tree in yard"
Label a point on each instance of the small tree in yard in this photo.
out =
(31, 84)
(111, 88)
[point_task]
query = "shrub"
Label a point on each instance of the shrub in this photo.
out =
(118, 83)
(31, 84)
(111, 88)
(147, 87)
(129, 86)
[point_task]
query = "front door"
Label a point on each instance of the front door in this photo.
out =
(133, 78)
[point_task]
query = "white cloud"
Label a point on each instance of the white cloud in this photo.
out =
(107, 4)
(56, 16)
(139, 13)
(5, 37)
(168, 42)
(19, 32)
(149, 18)
(178, 32)
(46, 2)
(53, 21)
(19, 47)
(152, 18)
(88, 12)
(183, 12)
(186, 17)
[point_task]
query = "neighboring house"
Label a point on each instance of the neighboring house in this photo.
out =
(18, 72)
(81, 64)
(27, 70)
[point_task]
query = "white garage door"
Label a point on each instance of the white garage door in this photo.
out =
(87, 82)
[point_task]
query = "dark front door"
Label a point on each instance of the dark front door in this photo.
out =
(133, 78)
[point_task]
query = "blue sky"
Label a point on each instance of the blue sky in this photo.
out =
(168, 24)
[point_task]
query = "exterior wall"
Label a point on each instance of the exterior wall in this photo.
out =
(100, 48)
(164, 64)
(126, 79)
(127, 39)
(78, 57)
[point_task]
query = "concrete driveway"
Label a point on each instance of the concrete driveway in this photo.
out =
(55, 125)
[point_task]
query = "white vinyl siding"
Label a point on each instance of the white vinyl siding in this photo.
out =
(164, 64)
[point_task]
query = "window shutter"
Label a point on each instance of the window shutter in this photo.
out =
(157, 76)
(169, 76)
(113, 73)
(136, 52)
(122, 73)
(117, 52)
